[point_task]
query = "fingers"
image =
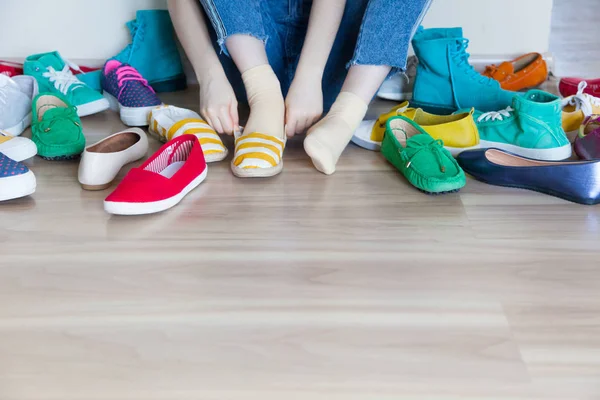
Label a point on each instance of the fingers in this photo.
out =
(235, 118)
(225, 119)
(213, 116)
(300, 123)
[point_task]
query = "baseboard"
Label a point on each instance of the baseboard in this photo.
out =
(479, 62)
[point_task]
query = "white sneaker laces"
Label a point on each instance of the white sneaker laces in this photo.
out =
(582, 101)
(63, 80)
(496, 115)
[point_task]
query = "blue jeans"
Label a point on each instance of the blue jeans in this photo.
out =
(372, 32)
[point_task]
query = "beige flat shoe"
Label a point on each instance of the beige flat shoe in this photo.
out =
(101, 162)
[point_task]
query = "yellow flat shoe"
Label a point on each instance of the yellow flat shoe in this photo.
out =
(257, 155)
(457, 131)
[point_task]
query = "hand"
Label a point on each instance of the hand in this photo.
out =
(218, 104)
(303, 104)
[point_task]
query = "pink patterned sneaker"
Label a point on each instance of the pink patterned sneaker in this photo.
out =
(128, 92)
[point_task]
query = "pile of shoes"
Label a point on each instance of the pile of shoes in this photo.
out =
(51, 94)
(499, 134)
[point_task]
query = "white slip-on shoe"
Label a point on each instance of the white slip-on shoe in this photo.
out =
(101, 162)
(16, 148)
(16, 95)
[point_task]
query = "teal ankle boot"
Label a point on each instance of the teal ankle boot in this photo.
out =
(153, 51)
(445, 80)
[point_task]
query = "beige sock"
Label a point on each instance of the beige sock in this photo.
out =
(267, 107)
(328, 138)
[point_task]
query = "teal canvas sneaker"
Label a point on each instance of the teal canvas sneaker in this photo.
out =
(153, 51)
(53, 75)
(531, 127)
(445, 80)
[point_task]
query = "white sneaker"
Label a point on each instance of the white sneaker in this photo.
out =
(101, 162)
(16, 148)
(399, 87)
(16, 95)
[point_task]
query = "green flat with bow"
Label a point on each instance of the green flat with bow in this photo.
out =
(421, 159)
(56, 128)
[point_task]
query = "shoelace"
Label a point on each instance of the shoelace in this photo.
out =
(496, 115)
(126, 74)
(415, 148)
(461, 57)
(582, 101)
(63, 80)
(69, 113)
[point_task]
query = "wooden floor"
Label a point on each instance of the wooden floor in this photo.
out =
(354, 286)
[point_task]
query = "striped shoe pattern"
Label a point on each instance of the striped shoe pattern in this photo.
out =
(257, 155)
(177, 152)
(169, 122)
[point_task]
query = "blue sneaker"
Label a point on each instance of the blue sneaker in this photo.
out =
(445, 80)
(16, 180)
(153, 51)
(128, 93)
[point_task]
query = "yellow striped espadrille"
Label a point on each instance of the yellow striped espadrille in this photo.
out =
(257, 155)
(169, 122)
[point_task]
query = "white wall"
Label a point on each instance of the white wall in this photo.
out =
(94, 29)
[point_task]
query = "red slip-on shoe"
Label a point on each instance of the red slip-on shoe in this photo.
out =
(570, 86)
(10, 69)
(162, 181)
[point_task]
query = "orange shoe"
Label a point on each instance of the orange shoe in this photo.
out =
(525, 72)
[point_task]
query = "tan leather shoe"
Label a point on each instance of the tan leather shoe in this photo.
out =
(527, 71)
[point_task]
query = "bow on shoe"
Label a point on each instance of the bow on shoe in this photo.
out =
(61, 114)
(414, 148)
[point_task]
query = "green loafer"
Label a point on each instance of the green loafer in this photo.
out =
(56, 128)
(421, 159)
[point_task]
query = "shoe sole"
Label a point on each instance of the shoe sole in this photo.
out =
(15, 187)
(576, 200)
(438, 193)
(131, 116)
(20, 153)
(93, 107)
(96, 188)
(256, 172)
(394, 96)
(19, 128)
(61, 158)
(555, 154)
(118, 208)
